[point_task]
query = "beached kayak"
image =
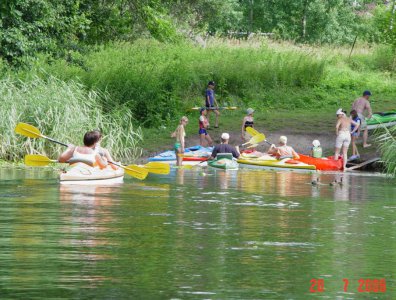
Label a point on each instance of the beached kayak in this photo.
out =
(269, 163)
(223, 161)
(384, 119)
(195, 153)
(81, 173)
(322, 164)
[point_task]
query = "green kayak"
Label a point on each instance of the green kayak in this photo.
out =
(384, 119)
(224, 161)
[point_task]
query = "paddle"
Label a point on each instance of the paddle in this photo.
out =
(252, 131)
(33, 132)
(214, 108)
(157, 168)
(255, 139)
(37, 160)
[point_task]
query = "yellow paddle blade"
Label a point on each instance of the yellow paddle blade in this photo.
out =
(37, 160)
(135, 171)
(157, 167)
(232, 108)
(252, 131)
(28, 130)
(256, 139)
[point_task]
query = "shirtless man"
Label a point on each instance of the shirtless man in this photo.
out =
(283, 150)
(343, 131)
(360, 105)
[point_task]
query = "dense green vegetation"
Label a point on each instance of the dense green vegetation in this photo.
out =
(64, 111)
(122, 64)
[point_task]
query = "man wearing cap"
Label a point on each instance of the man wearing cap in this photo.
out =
(211, 103)
(360, 105)
(224, 147)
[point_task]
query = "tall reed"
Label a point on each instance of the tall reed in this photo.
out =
(386, 138)
(64, 111)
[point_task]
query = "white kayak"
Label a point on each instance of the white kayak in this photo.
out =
(81, 173)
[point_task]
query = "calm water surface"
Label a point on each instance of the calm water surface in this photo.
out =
(235, 235)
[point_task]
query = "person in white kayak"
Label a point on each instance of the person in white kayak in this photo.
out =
(103, 151)
(85, 154)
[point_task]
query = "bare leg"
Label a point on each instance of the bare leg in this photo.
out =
(179, 157)
(337, 153)
(345, 155)
(209, 140)
(202, 140)
(217, 118)
(365, 138)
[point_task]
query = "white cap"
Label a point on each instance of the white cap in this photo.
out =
(249, 111)
(283, 139)
(225, 136)
(316, 143)
(340, 112)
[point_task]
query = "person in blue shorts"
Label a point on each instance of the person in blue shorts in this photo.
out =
(203, 125)
(211, 103)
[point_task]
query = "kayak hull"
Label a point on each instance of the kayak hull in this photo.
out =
(378, 120)
(195, 153)
(322, 164)
(84, 174)
(223, 164)
(276, 165)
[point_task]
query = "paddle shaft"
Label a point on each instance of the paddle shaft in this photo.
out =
(55, 141)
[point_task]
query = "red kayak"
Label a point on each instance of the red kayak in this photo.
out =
(323, 164)
(194, 158)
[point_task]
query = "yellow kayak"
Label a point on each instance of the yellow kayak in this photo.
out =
(269, 163)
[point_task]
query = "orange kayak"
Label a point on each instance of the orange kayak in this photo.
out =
(323, 164)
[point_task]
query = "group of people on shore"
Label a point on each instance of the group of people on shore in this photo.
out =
(347, 130)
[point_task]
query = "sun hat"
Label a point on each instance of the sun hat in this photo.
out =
(249, 111)
(366, 93)
(225, 136)
(283, 139)
(340, 112)
(316, 143)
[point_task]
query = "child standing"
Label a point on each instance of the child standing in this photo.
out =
(203, 125)
(180, 134)
(248, 121)
(355, 132)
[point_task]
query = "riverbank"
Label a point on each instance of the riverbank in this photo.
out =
(300, 126)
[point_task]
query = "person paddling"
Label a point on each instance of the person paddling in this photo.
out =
(211, 103)
(248, 121)
(283, 150)
(203, 125)
(180, 135)
(85, 154)
(103, 151)
(361, 105)
(224, 147)
(343, 131)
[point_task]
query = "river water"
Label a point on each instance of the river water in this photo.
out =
(195, 235)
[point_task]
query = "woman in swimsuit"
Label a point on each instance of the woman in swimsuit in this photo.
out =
(203, 125)
(180, 134)
(248, 121)
(85, 154)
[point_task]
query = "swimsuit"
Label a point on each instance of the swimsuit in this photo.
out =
(202, 129)
(356, 133)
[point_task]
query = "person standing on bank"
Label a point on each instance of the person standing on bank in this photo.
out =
(211, 103)
(361, 105)
(180, 135)
(248, 121)
(343, 132)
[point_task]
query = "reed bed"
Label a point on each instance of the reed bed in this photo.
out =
(63, 111)
(386, 138)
